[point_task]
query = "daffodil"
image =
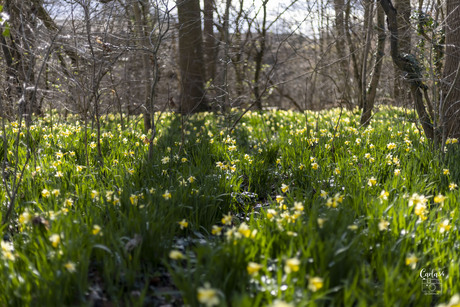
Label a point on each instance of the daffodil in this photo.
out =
(411, 260)
(353, 227)
(417, 199)
(371, 181)
(439, 198)
(70, 267)
(176, 255)
(134, 199)
(94, 194)
(25, 217)
(271, 213)
(383, 225)
(298, 206)
(183, 224)
(384, 195)
(227, 219)
(166, 195)
(216, 230)
(323, 194)
(55, 239)
(315, 283)
(97, 230)
(284, 188)
(391, 146)
(253, 268)
(244, 230)
(444, 226)
(46, 193)
(421, 210)
(279, 199)
(320, 222)
(208, 296)
(7, 250)
(292, 265)
(68, 202)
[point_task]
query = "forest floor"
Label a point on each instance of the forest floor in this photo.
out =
(287, 209)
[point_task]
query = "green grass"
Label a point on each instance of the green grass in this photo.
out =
(306, 209)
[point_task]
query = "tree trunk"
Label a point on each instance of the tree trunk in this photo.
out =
(403, 9)
(353, 52)
(210, 47)
(451, 85)
(259, 57)
(140, 27)
(339, 8)
(21, 44)
(410, 67)
(372, 90)
(191, 62)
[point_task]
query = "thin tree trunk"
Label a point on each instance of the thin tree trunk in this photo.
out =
(353, 52)
(209, 39)
(372, 90)
(143, 43)
(339, 7)
(260, 56)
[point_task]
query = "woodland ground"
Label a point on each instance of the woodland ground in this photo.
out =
(287, 209)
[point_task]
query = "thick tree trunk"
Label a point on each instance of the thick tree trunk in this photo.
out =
(191, 62)
(451, 86)
(403, 9)
(410, 67)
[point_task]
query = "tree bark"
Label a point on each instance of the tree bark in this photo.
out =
(140, 26)
(451, 82)
(339, 8)
(372, 90)
(210, 46)
(353, 52)
(191, 62)
(259, 57)
(21, 43)
(410, 67)
(403, 9)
